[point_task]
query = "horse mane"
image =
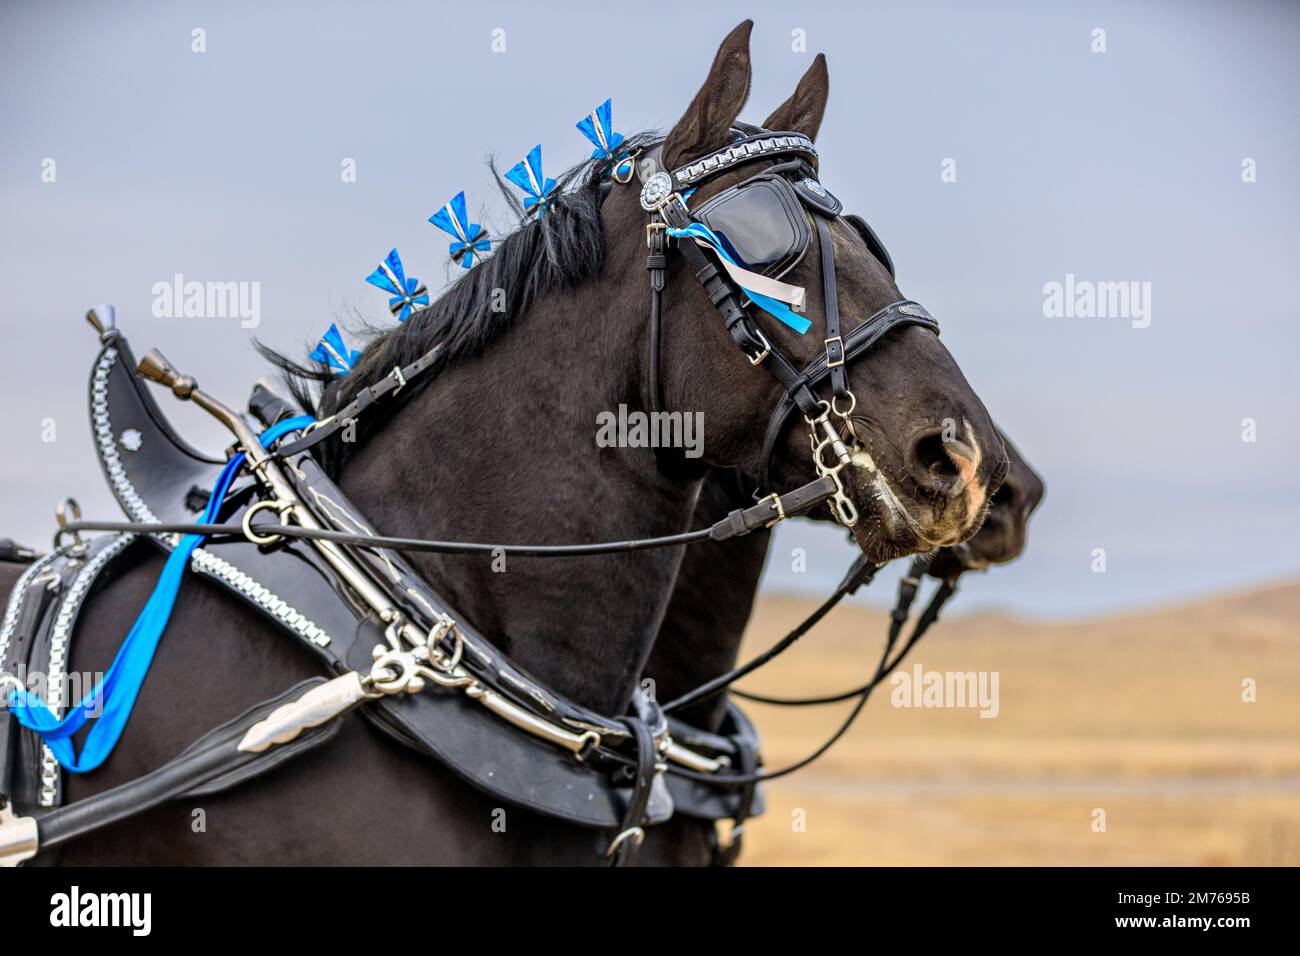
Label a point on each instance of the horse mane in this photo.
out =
(557, 250)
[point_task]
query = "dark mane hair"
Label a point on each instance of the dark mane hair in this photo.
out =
(557, 250)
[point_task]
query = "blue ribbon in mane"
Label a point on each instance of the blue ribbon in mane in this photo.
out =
(114, 697)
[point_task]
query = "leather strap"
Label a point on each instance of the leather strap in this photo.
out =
(862, 338)
(35, 600)
(210, 759)
(389, 385)
(626, 843)
(12, 551)
(737, 523)
(656, 263)
(835, 359)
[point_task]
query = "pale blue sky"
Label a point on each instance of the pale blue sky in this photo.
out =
(1123, 165)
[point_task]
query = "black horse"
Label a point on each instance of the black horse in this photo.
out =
(503, 449)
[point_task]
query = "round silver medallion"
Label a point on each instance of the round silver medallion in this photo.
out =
(656, 189)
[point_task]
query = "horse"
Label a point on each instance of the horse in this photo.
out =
(503, 449)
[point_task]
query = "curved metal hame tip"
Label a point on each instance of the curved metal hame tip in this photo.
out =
(103, 319)
(155, 367)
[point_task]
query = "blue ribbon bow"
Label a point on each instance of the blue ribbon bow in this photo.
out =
(470, 238)
(407, 293)
(527, 175)
(598, 127)
(332, 351)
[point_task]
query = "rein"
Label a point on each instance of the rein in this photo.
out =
(907, 594)
(739, 522)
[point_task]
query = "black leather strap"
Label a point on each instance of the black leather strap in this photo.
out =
(12, 551)
(735, 524)
(210, 759)
(774, 508)
(860, 573)
(623, 850)
(656, 263)
(268, 407)
(391, 383)
(835, 358)
(35, 600)
(862, 338)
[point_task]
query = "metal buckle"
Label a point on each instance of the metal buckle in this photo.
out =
(397, 376)
(767, 348)
(651, 227)
(777, 505)
(829, 363)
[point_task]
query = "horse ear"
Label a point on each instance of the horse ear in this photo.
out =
(803, 111)
(706, 126)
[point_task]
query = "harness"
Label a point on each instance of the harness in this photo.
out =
(394, 649)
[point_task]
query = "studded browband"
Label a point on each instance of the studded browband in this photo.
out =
(754, 145)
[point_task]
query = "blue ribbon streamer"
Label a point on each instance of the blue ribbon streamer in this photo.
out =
(778, 309)
(110, 703)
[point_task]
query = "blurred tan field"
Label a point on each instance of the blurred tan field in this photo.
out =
(1140, 715)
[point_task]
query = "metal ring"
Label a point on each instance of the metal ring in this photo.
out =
(68, 506)
(853, 403)
(308, 429)
(394, 672)
(276, 504)
(631, 168)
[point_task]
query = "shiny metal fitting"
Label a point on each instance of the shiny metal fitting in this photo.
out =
(19, 837)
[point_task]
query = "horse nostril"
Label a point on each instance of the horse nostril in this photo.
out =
(944, 466)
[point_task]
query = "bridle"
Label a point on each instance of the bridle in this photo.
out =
(729, 288)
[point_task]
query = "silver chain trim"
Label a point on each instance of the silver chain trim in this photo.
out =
(263, 597)
(122, 487)
(56, 669)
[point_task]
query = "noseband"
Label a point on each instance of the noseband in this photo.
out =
(732, 287)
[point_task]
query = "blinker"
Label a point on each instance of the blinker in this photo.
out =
(763, 222)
